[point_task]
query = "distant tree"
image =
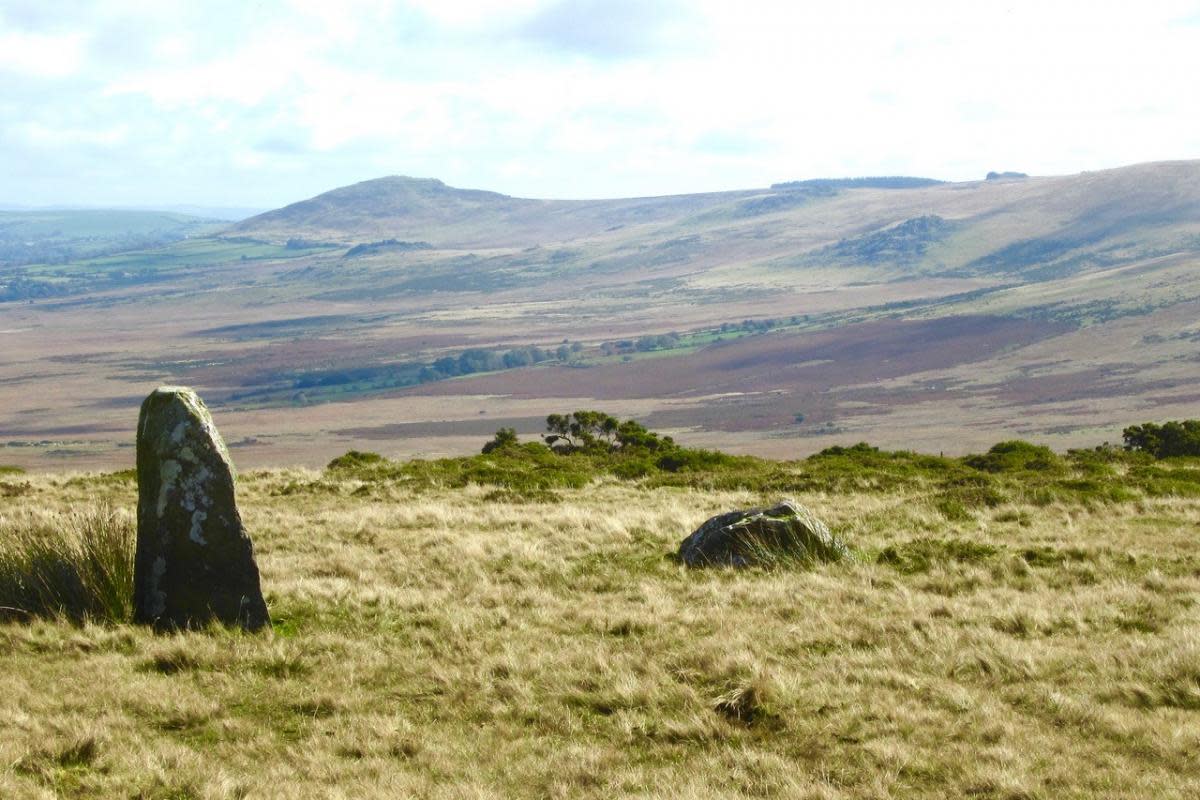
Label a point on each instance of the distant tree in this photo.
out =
(1166, 440)
(517, 358)
(477, 360)
(596, 431)
(504, 438)
(650, 342)
(581, 430)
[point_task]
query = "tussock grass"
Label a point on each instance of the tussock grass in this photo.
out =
(444, 638)
(77, 565)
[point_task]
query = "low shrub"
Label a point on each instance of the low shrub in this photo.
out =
(682, 459)
(1016, 456)
(505, 437)
(354, 459)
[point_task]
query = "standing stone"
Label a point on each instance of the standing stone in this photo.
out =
(194, 562)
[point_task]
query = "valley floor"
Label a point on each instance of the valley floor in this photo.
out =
(463, 643)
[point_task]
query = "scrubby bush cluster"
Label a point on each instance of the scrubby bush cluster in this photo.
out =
(600, 443)
(584, 446)
(1166, 440)
(597, 431)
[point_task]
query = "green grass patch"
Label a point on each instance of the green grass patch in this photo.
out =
(200, 252)
(925, 554)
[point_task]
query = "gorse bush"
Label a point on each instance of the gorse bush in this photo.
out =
(353, 459)
(586, 446)
(77, 566)
(505, 437)
(1015, 456)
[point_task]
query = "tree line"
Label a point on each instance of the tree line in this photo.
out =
(1166, 440)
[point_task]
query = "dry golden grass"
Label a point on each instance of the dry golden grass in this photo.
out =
(444, 645)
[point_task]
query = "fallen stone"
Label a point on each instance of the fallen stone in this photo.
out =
(194, 562)
(787, 532)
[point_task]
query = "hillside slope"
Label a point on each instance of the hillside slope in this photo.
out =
(427, 209)
(1034, 218)
(412, 317)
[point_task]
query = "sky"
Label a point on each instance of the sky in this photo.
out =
(259, 103)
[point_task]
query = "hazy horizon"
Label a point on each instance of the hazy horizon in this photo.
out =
(108, 103)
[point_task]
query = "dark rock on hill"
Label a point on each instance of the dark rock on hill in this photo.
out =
(900, 243)
(762, 536)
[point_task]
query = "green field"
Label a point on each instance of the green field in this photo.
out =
(32, 237)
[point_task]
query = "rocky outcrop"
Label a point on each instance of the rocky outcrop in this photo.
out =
(787, 532)
(194, 563)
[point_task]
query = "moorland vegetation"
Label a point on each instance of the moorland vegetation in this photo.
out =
(1015, 623)
(978, 306)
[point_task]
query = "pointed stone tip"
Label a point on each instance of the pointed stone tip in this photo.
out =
(174, 390)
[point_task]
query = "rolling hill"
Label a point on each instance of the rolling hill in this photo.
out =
(406, 208)
(408, 316)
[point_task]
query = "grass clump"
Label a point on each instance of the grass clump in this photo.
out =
(923, 555)
(10, 470)
(76, 565)
(748, 704)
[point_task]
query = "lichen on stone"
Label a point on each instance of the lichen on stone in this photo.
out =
(196, 534)
(168, 473)
(159, 597)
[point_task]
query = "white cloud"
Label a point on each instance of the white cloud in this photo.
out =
(286, 98)
(38, 134)
(475, 14)
(42, 55)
